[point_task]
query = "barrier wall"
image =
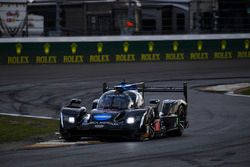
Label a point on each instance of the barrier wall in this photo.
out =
(80, 50)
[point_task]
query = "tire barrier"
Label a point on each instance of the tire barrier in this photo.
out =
(68, 50)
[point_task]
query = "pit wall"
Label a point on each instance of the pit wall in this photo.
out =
(81, 50)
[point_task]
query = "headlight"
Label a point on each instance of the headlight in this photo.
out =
(72, 120)
(130, 120)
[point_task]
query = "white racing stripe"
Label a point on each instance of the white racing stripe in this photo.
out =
(27, 116)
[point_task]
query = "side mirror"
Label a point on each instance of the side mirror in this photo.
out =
(83, 109)
(155, 102)
(94, 104)
(75, 101)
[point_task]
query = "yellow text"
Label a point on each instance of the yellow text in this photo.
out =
(73, 59)
(243, 54)
(223, 55)
(18, 60)
(150, 57)
(175, 56)
(46, 59)
(125, 58)
(99, 58)
(199, 56)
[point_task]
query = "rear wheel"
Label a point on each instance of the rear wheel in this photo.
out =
(181, 120)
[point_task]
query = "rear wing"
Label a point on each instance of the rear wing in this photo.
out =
(141, 87)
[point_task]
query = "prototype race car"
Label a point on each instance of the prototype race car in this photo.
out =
(121, 112)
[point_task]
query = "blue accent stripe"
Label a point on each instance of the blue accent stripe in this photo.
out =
(102, 117)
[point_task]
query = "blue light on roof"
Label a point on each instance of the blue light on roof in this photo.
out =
(123, 87)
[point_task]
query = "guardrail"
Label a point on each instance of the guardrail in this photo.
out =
(120, 49)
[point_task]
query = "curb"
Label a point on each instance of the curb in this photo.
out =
(227, 89)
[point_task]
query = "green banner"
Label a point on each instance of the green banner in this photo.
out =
(122, 51)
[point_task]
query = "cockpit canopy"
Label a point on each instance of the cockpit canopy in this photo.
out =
(117, 100)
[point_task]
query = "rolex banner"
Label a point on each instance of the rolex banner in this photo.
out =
(122, 51)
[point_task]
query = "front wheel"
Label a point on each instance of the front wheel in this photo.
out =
(67, 136)
(148, 133)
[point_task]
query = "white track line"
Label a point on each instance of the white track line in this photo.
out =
(27, 116)
(230, 89)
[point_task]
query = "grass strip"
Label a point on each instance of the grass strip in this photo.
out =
(246, 91)
(243, 91)
(21, 128)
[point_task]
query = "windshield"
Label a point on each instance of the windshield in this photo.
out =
(117, 101)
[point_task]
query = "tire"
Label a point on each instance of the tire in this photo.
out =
(71, 139)
(148, 133)
(67, 136)
(178, 132)
(181, 121)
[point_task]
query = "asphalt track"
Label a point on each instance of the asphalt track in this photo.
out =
(218, 135)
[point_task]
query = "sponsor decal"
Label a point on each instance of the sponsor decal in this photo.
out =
(199, 46)
(46, 59)
(126, 56)
(246, 44)
(223, 54)
(175, 56)
(13, 18)
(243, 54)
(125, 47)
(102, 117)
(199, 55)
(18, 59)
(223, 45)
(99, 59)
(46, 47)
(246, 52)
(99, 47)
(19, 48)
(175, 46)
(150, 56)
(151, 47)
(74, 59)
(73, 47)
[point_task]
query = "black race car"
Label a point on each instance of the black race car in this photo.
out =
(121, 112)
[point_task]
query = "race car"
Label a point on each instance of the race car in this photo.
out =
(121, 112)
